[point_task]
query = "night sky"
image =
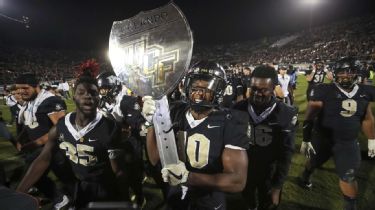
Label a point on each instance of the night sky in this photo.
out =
(86, 24)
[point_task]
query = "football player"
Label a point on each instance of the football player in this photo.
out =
(316, 76)
(90, 142)
(38, 115)
(272, 140)
(127, 111)
(339, 110)
(214, 141)
(110, 91)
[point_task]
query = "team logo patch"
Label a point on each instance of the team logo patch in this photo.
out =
(136, 106)
(61, 137)
(58, 107)
(294, 120)
(248, 132)
(312, 92)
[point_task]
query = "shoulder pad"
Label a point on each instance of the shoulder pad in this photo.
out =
(236, 116)
(369, 90)
(241, 105)
(178, 110)
(286, 114)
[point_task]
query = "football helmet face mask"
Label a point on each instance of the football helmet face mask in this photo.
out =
(346, 73)
(109, 87)
(204, 84)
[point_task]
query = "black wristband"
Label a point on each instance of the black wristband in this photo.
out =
(307, 130)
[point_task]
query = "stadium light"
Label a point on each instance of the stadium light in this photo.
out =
(311, 6)
(311, 2)
(24, 20)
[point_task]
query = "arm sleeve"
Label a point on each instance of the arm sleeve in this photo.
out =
(236, 130)
(285, 155)
(114, 149)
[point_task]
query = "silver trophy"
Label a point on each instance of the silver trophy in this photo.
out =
(150, 53)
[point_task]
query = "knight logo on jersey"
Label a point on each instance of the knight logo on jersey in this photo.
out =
(312, 92)
(294, 120)
(248, 133)
(58, 107)
(136, 106)
(61, 137)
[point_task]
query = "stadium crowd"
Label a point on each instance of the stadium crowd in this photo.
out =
(353, 37)
(96, 151)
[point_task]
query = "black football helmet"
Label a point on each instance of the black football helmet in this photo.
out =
(216, 77)
(109, 87)
(319, 64)
(351, 68)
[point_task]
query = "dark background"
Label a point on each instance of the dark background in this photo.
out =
(85, 24)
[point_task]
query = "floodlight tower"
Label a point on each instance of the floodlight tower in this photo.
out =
(25, 20)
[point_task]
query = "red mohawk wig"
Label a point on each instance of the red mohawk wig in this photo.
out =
(89, 67)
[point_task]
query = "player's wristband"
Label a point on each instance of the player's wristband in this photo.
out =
(148, 124)
(307, 130)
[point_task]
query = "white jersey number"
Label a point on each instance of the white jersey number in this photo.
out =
(79, 153)
(350, 108)
(198, 148)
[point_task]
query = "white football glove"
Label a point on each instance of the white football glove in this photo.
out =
(307, 149)
(371, 148)
(148, 109)
(175, 174)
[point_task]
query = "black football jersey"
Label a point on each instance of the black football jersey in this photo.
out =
(274, 132)
(272, 141)
(89, 155)
(206, 141)
(341, 116)
(370, 90)
(44, 123)
(318, 78)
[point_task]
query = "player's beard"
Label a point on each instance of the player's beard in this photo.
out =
(199, 108)
(31, 98)
(260, 102)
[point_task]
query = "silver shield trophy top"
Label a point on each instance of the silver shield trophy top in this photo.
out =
(151, 51)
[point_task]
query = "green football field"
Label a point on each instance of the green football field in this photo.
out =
(325, 193)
